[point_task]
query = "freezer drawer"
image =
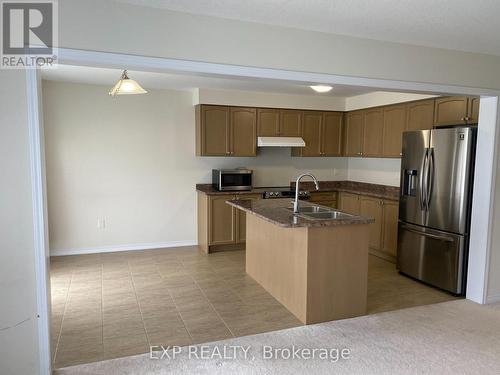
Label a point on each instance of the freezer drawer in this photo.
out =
(432, 256)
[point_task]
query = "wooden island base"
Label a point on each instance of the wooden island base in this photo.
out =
(318, 273)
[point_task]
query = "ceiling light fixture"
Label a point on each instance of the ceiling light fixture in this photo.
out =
(321, 88)
(126, 86)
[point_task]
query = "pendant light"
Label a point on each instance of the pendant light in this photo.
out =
(126, 86)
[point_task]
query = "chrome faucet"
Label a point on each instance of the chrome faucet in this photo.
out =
(296, 202)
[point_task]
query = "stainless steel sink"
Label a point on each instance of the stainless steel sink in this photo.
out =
(319, 213)
(328, 215)
(309, 209)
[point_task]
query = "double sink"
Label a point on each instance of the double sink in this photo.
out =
(319, 213)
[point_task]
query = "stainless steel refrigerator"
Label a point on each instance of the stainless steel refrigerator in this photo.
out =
(437, 169)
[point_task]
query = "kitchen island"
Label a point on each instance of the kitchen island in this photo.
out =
(315, 266)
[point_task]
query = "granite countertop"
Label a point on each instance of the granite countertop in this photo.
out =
(210, 190)
(354, 187)
(274, 211)
(372, 190)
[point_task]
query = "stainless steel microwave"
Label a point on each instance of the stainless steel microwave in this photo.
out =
(232, 179)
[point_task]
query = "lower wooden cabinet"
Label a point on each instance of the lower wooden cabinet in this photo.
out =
(324, 198)
(349, 203)
(390, 228)
(384, 231)
(219, 224)
(372, 207)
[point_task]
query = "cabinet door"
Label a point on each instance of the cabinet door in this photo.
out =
(420, 115)
(473, 111)
(221, 220)
(331, 144)
(390, 227)
(450, 110)
(394, 126)
(290, 123)
(372, 207)
(349, 203)
(325, 198)
(243, 133)
(214, 130)
(268, 122)
(353, 134)
(311, 132)
(241, 222)
(373, 133)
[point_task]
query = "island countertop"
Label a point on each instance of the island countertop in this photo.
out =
(274, 211)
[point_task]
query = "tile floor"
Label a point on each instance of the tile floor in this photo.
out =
(118, 304)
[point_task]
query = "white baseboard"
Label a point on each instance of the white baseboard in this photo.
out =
(493, 299)
(130, 247)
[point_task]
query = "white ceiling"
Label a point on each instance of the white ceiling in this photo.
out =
(467, 25)
(149, 80)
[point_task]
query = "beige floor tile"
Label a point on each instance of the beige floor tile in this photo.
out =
(116, 304)
(212, 331)
(177, 336)
(74, 356)
(123, 346)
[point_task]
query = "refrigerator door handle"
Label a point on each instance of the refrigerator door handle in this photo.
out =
(430, 178)
(425, 234)
(422, 187)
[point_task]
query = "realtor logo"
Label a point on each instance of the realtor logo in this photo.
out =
(29, 33)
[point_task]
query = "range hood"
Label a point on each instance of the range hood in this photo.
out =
(280, 142)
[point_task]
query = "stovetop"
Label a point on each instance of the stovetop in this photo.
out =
(273, 192)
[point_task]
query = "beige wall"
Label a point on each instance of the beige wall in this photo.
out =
(374, 170)
(183, 36)
(132, 161)
(175, 35)
(18, 322)
(271, 100)
(375, 99)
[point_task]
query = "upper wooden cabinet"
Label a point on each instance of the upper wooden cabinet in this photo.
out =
(322, 133)
(212, 130)
(373, 132)
(420, 115)
(394, 126)
(364, 133)
(353, 145)
(331, 134)
(278, 122)
(290, 123)
(473, 110)
(454, 110)
(226, 131)
(268, 122)
(243, 134)
(311, 133)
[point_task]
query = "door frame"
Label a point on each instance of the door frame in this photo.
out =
(484, 184)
